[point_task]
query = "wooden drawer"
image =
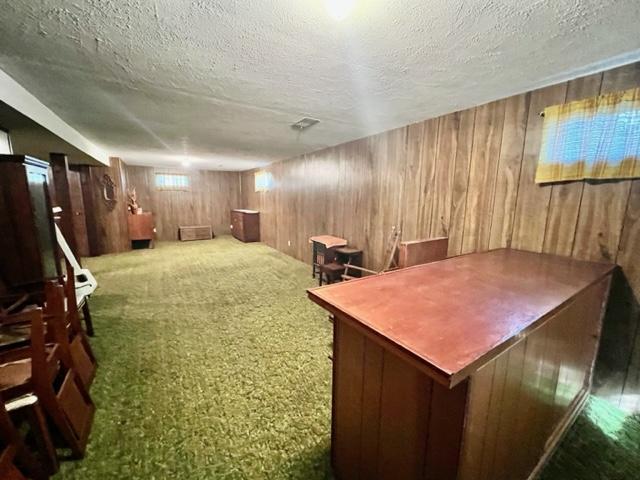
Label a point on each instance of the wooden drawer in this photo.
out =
(195, 232)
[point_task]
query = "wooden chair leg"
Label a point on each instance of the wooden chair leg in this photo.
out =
(58, 417)
(29, 462)
(87, 317)
(39, 426)
(28, 408)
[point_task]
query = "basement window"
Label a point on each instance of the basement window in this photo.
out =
(595, 138)
(5, 143)
(263, 181)
(172, 181)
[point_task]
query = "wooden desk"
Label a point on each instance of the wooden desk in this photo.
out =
(469, 368)
(323, 250)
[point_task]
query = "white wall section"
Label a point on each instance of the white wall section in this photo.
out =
(14, 95)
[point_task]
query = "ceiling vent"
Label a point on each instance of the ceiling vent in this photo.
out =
(305, 123)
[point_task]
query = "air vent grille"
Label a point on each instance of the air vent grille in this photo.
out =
(305, 123)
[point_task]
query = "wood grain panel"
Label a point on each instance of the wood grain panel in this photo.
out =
(413, 187)
(387, 167)
(79, 216)
(371, 388)
(61, 197)
(91, 213)
(347, 399)
(443, 182)
(469, 175)
(524, 396)
(533, 200)
(629, 260)
(508, 173)
(210, 198)
(506, 428)
(404, 420)
(390, 420)
(428, 162)
(446, 421)
(604, 203)
(464, 146)
(567, 196)
(487, 139)
(602, 218)
(107, 224)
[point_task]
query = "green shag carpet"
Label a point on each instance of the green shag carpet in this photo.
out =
(213, 365)
(603, 444)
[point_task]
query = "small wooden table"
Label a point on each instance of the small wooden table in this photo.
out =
(323, 250)
(470, 368)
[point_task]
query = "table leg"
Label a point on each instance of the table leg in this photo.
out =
(314, 259)
(87, 317)
(41, 434)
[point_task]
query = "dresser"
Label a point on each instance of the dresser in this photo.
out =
(245, 225)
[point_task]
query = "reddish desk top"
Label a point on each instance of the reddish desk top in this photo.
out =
(455, 315)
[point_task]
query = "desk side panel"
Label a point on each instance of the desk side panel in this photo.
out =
(390, 420)
(521, 403)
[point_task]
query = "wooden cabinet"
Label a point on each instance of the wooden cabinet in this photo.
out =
(469, 368)
(141, 227)
(28, 247)
(245, 225)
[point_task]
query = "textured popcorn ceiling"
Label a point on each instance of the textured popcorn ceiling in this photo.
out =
(221, 81)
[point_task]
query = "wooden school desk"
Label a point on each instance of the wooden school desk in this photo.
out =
(469, 368)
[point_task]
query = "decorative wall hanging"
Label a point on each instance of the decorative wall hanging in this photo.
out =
(596, 138)
(109, 191)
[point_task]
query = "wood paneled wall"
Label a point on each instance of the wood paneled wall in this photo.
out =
(209, 200)
(470, 175)
(107, 228)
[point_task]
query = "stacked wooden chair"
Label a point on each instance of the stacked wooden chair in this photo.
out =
(47, 382)
(79, 347)
(15, 456)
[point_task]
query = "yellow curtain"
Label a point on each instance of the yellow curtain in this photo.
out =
(595, 138)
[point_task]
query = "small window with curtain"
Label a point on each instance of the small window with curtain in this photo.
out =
(596, 138)
(172, 181)
(263, 181)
